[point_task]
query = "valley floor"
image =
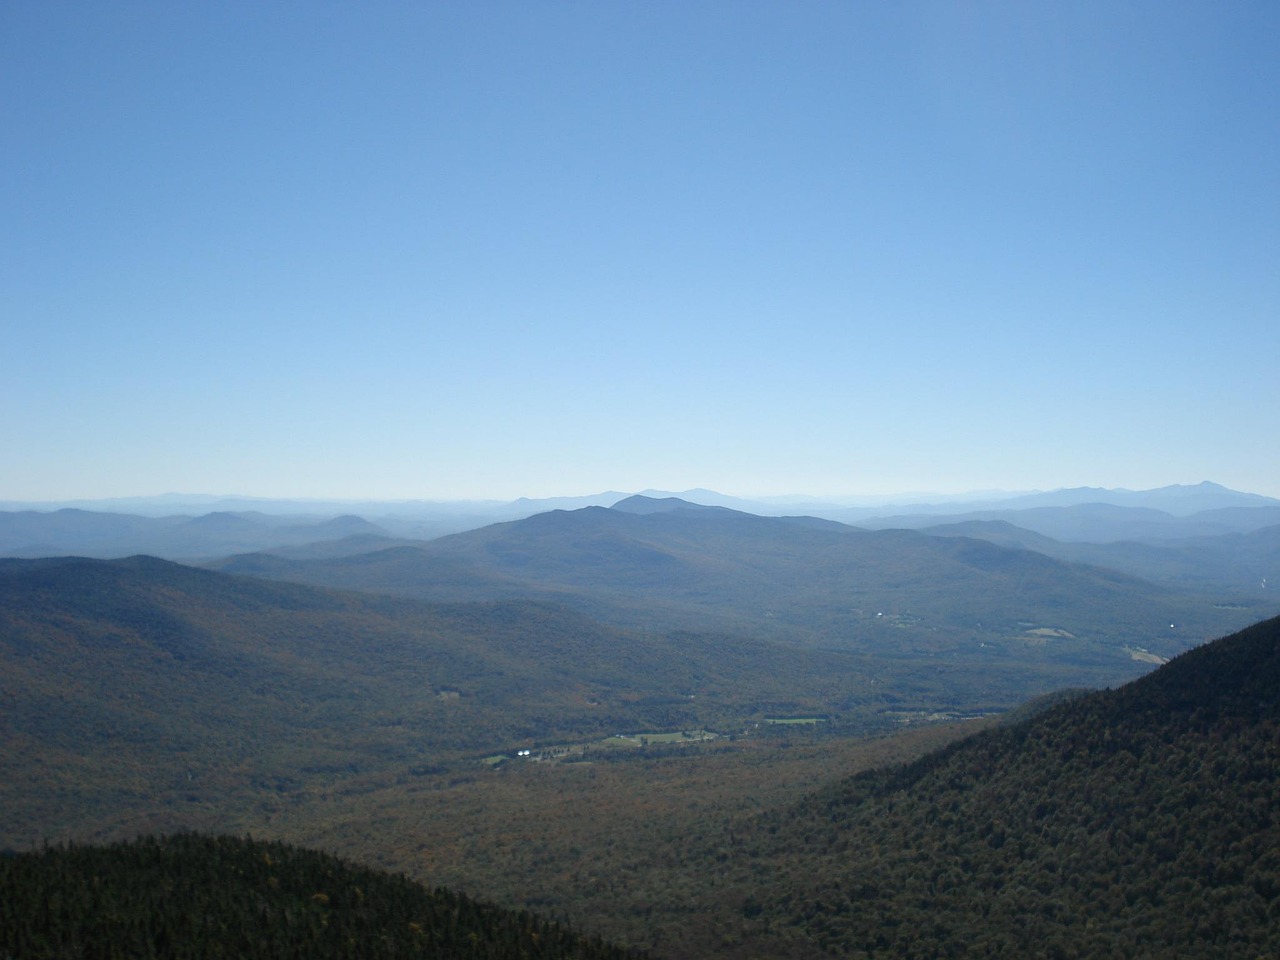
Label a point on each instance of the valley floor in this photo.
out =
(587, 840)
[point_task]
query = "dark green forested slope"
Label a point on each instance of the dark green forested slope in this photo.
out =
(195, 896)
(1140, 822)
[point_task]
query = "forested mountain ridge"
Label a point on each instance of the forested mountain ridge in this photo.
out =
(1243, 563)
(1193, 537)
(87, 533)
(665, 566)
(192, 897)
(1136, 822)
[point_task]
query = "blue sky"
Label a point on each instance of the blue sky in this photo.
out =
(455, 250)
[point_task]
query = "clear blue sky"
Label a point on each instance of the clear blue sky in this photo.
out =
(454, 250)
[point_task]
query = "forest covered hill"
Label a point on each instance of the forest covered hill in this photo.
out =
(1136, 822)
(142, 694)
(886, 593)
(192, 897)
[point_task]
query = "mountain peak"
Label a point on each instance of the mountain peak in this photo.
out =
(640, 504)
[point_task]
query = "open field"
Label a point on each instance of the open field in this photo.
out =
(795, 720)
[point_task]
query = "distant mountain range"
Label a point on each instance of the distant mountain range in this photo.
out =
(165, 526)
(1245, 563)
(74, 532)
(1177, 499)
(767, 576)
(664, 565)
(1104, 522)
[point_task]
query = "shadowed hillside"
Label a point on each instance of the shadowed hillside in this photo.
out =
(190, 896)
(1130, 823)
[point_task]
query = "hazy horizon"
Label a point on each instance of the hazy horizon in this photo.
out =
(905, 498)
(444, 252)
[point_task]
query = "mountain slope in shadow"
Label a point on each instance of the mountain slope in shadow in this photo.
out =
(1136, 822)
